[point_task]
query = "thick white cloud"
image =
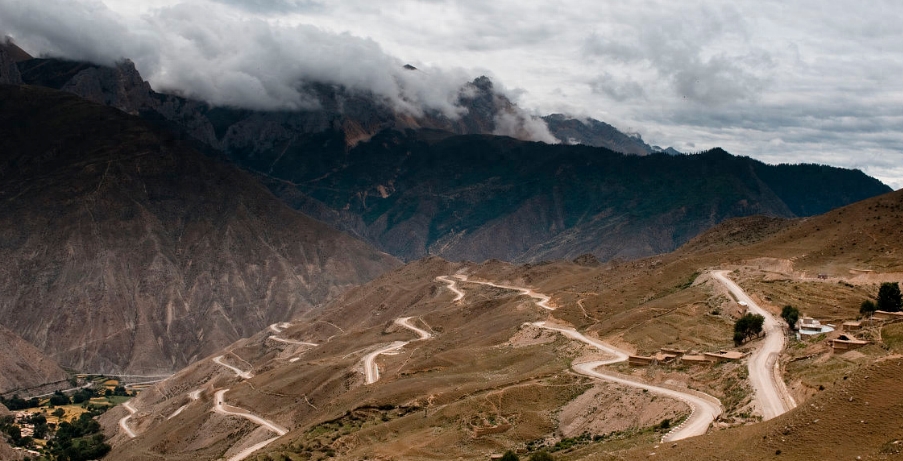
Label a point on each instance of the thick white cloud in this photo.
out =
(805, 81)
(212, 52)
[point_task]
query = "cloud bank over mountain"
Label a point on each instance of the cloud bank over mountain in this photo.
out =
(227, 59)
(803, 82)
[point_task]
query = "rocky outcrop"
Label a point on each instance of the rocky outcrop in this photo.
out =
(591, 132)
(121, 87)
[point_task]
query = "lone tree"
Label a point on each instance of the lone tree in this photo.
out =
(509, 456)
(541, 456)
(790, 315)
(889, 298)
(867, 308)
(746, 326)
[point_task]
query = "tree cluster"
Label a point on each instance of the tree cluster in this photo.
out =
(889, 297)
(18, 403)
(791, 315)
(80, 440)
(747, 326)
(538, 456)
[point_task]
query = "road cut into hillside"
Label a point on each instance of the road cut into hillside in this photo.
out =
(222, 408)
(771, 393)
(241, 373)
(540, 299)
(453, 286)
(123, 423)
(704, 408)
(291, 341)
(371, 370)
(193, 395)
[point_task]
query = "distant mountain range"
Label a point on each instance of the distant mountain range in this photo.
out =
(132, 242)
(432, 185)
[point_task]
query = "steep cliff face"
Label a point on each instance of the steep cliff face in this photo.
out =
(125, 250)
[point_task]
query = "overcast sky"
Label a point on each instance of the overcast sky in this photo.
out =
(804, 81)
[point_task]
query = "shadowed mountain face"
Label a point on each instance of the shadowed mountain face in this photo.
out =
(413, 188)
(124, 250)
(479, 197)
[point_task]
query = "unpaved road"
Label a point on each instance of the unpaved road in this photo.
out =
(279, 327)
(223, 409)
(540, 299)
(371, 370)
(250, 450)
(193, 395)
(241, 373)
(291, 341)
(453, 286)
(123, 423)
(704, 410)
(764, 372)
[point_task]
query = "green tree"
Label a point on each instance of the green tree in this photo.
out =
(868, 307)
(541, 456)
(59, 412)
(58, 398)
(889, 298)
(790, 315)
(747, 326)
(509, 456)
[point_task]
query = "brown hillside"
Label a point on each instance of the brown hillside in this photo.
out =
(865, 235)
(860, 419)
(486, 382)
(124, 250)
(22, 366)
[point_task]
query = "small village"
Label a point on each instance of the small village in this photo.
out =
(39, 419)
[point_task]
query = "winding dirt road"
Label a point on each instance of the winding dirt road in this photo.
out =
(241, 373)
(222, 408)
(703, 407)
(291, 341)
(540, 299)
(453, 286)
(193, 395)
(371, 370)
(123, 423)
(764, 371)
(279, 327)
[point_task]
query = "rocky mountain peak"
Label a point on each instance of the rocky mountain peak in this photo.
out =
(9, 71)
(483, 83)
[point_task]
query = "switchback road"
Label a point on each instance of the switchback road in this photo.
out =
(764, 369)
(371, 370)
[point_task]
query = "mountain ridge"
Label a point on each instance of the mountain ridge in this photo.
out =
(127, 251)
